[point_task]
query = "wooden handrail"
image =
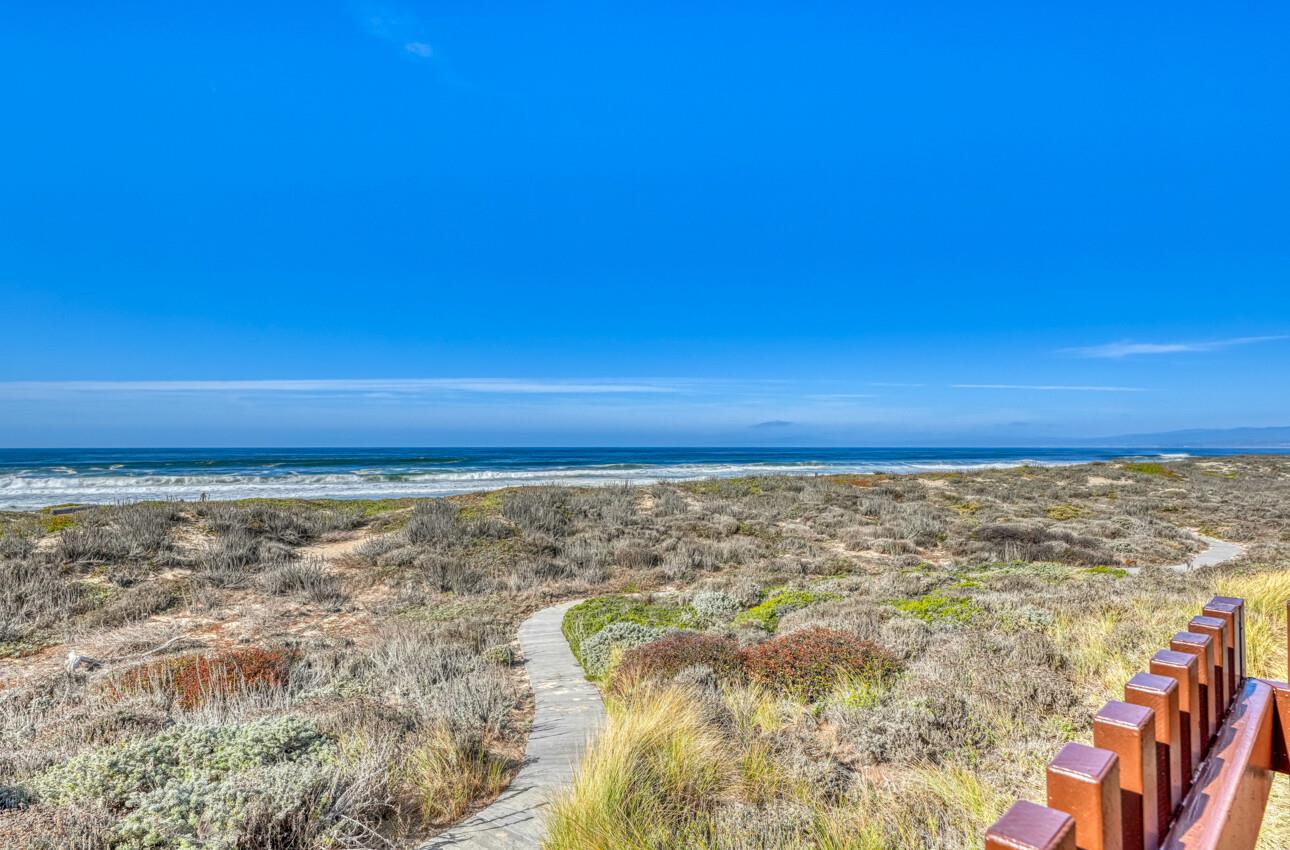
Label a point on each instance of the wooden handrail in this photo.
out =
(1185, 762)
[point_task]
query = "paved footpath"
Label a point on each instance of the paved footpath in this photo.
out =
(567, 713)
(1219, 552)
(1216, 552)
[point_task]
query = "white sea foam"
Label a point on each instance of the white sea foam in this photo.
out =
(29, 489)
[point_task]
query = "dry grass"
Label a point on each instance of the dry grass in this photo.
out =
(1011, 662)
(449, 775)
(652, 780)
(988, 587)
(1265, 595)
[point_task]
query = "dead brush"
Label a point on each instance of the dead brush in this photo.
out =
(307, 579)
(538, 509)
(132, 533)
(36, 596)
(193, 681)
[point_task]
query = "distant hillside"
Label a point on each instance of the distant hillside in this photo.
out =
(1277, 437)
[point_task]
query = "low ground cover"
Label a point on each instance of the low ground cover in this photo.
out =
(833, 662)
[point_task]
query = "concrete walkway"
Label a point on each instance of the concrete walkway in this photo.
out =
(1216, 552)
(567, 713)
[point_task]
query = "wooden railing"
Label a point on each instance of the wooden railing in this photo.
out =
(1184, 762)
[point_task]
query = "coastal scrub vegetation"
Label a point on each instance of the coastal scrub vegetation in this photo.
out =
(860, 661)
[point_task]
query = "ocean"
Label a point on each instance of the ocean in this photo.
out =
(34, 478)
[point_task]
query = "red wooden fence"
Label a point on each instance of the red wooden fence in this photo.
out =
(1184, 762)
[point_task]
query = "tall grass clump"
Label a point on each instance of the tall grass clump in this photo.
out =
(448, 773)
(1265, 595)
(651, 781)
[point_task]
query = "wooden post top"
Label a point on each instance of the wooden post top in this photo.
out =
(1030, 826)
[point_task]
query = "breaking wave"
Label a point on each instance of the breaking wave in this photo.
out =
(34, 478)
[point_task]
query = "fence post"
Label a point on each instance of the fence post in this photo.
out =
(1129, 731)
(1084, 782)
(1151, 780)
(1030, 826)
(1181, 667)
(1227, 612)
(1203, 648)
(1239, 610)
(1160, 694)
(1216, 630)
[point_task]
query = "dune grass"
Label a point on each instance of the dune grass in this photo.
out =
(1265, 595)
(999, 593)
(665, 774)
(448, 775)
(651, 780)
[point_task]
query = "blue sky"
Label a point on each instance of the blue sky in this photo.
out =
(561, 223)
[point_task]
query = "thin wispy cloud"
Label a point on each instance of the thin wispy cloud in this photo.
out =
(840, 396)
(398, 27)
(1079, 388)
(1116, 350)
(346, 385)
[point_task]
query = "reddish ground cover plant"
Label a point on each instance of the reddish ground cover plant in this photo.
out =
(194, 679)
(670, 655)
(809, 661)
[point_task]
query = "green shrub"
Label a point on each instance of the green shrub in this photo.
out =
(223, 814)
(197, 786)
(52, 523)
(767, 614)
(1062, 513)
(729, 488)
(808, 662)
(114, 773)
(1026, 617)
(936, 608)
(585, 619)
(601, 650)
(1157, 469)
(1103, 570)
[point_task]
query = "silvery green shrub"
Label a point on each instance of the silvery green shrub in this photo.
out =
(195, 787)
(599, 650)
(217, 814)
(715, 607)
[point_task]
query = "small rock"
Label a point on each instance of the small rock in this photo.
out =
(76, 661)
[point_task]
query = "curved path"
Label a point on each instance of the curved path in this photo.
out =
(1216, 552)
(567, 713)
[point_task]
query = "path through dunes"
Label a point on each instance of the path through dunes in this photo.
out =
(567, 713)
(1216, 552)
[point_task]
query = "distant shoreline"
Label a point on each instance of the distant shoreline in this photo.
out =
(37, 479)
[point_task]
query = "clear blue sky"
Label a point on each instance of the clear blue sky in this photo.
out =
(688, 223)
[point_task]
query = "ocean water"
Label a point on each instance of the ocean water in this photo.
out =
(34, 478)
